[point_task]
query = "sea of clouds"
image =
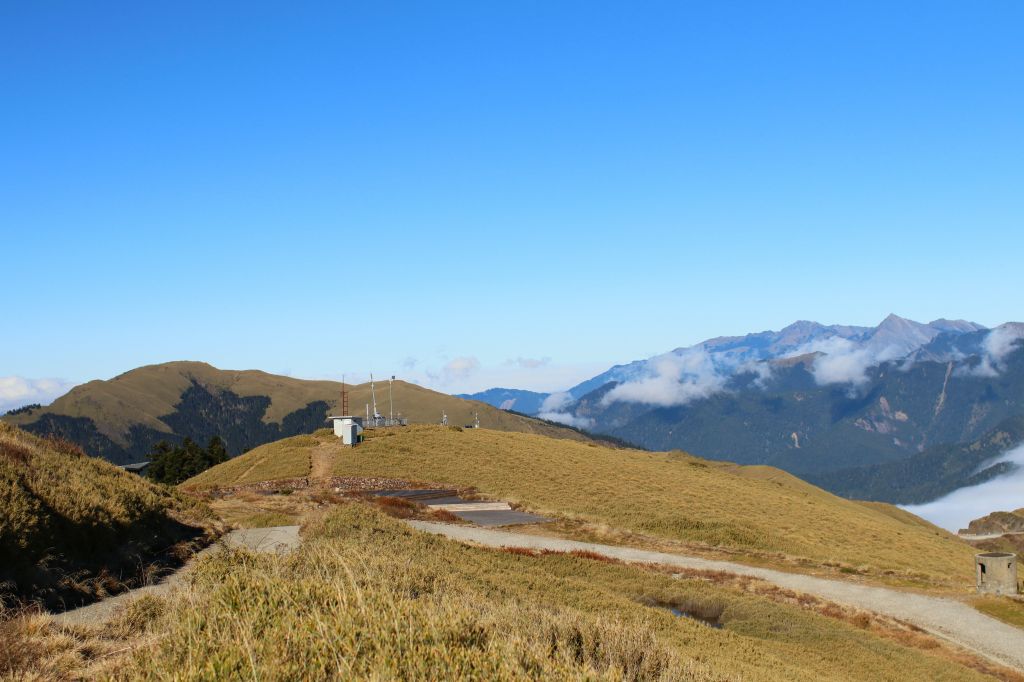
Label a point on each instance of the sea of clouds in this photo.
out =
(960, 507)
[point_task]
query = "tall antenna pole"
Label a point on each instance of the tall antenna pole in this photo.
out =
(391, 403)
(373, 396)
(344, 396)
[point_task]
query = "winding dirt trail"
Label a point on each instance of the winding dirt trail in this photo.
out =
(946, 618)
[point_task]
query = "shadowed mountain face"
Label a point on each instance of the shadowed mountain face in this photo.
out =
(121, 419)
(200, 415)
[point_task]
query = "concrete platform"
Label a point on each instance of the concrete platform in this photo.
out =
(472, 506)
(482, 513)
(493, 519)
(416, 494)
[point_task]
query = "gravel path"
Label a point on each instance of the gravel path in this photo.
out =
(278, 539)
(946, 618)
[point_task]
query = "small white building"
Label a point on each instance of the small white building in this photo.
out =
(348, 428)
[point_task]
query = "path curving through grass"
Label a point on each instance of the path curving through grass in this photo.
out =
(946, 618)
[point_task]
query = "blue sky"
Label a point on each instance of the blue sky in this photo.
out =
(525, 192)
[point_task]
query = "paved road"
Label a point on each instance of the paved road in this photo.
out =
(945, 618)
(987, 536)
(279, 539)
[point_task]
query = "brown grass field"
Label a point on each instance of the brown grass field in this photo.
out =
(757, 514)
(365, 597)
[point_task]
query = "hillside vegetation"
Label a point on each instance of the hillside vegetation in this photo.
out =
(121, 419)
(73, 527)
(366, 597)
(754, 513)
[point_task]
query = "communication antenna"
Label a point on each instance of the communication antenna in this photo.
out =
(344, 396)
(373, 396)
(391, 403)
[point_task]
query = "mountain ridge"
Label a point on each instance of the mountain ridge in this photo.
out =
(121, 418)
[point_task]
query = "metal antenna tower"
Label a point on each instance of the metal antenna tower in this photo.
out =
(373, 397)
(344, 396)
(391, 403)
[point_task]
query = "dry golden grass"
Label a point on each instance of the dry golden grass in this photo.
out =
(72, 526)
(1005, 609)
(289, 458)
(365, 597)
(759, 513)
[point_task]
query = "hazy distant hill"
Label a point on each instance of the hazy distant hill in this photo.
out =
(120, 419)
(526, 402)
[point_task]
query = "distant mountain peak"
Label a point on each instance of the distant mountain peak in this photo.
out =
(961, 326)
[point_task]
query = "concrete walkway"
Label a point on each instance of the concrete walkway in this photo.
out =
(276, 540)
(946, 618)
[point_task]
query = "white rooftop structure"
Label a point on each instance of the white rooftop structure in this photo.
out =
(347, 428)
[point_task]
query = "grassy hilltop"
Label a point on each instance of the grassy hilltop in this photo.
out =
(120, 419)
(73, 527)
(755, 513)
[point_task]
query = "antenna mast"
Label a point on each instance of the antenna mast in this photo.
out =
(373, 396)
(391, 403)
(344, 396)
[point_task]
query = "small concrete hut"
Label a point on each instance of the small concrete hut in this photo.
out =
(996, 572)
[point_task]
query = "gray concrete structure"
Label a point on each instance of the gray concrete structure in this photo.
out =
(996, 572)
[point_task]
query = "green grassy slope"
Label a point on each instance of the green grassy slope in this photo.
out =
(73, 526)
(756, 512)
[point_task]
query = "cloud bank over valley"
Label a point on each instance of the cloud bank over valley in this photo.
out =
(957, 509)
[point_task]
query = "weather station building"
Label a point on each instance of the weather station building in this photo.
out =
(996, 573)
(348, 428)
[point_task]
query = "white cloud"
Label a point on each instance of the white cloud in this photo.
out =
(957, 509)
(553, 409)
(841, 361)
(999, 343)
(459, 369)
(567, 419)
(528, 363)
(674, 379)
(17, 391)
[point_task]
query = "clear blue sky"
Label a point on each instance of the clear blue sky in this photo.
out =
(586, 183)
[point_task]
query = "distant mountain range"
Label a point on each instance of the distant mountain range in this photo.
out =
(525, 402)
(874, 412)
(122, 418)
